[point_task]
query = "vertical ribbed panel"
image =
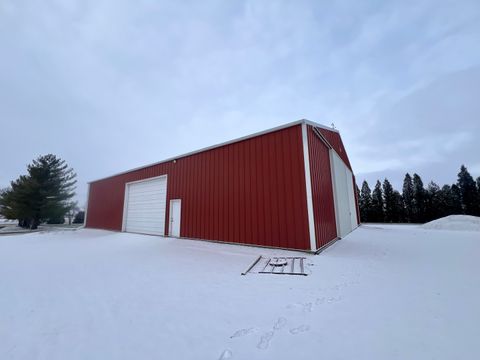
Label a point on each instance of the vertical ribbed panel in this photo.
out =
(322, 189)
(335, 141)
(250, 192)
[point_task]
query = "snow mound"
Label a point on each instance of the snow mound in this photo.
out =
(455, 222)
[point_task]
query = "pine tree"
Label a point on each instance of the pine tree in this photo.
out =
(79, 217)
(407, 196)
(377, 203)
(365, 202)
(456, 200)
(445, 201)
(389, 201)
(398, 210)
(418, 203)
(468, 192)
(41, 195)
(433, 208)
(478, 184)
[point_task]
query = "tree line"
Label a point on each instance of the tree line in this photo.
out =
(417, 204)
(42, 195)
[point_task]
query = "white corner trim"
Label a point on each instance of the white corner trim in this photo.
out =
(86, 207)
(308, 183)
(331, 154)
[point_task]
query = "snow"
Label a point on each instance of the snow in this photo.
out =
(455, 223)
(383, 292)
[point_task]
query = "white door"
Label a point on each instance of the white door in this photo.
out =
(351, 198)
(345, 209)
(145, 204)
(175, 216)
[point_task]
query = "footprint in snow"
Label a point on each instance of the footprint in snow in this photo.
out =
(281, 322)
(299, 329)
(303, 307)
(320, 301)
(334, 299)
(265, 340)
(226, 354)
(242, 332)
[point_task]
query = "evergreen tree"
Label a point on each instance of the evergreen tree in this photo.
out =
(389, 201)
(446, 206)
(418, 203)
(456, 200)
(468, 192)
(79, 217)
(433, 199)
(398, 213)
(407, 196)
(377, 203)
(365, 202)
(478, 184)
(41, 195)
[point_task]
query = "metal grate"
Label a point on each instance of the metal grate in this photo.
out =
(289, 265)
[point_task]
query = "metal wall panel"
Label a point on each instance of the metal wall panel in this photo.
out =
(251, 192)
(322, 189)
(335, 141)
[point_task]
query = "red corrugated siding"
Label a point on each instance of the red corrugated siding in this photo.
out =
(252, 192)
(322, 189)
(335, 141)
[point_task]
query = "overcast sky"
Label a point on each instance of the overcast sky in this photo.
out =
(111, 85)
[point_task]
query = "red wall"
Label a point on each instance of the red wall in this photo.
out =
(250, 192)
(322, 189)
(335, 141)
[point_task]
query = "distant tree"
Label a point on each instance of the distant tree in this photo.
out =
(468, 192)
(79, 217)
(377, 204)
(398, 214)
(41, 195)
(433, 202)
(407, 195)
(478, 184)
(72, 210)
(17, 201)
(56, 220)
(456, 200)
(418, 203)
(365, 202)
(389, 201)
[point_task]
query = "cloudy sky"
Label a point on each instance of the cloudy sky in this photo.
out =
(110, 84)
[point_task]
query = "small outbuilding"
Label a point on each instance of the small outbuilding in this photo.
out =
(288, 187)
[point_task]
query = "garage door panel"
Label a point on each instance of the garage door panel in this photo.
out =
(345, 208)
(146, 206)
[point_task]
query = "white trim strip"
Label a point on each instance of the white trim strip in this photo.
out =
(86, 207)
(308, 184)
(331, 154)
(302, 121)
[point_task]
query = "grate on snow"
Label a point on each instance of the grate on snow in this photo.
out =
(283, 265)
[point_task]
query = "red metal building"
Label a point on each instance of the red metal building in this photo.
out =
(287, 187)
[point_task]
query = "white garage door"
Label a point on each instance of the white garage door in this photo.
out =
(345, 208)
(145, 204)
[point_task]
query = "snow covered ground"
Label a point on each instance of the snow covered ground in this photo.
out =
(455, 222)
(383, 292)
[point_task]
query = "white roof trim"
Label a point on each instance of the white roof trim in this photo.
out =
(298, 122)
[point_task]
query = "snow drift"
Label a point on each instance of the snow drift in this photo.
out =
(455, 222)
